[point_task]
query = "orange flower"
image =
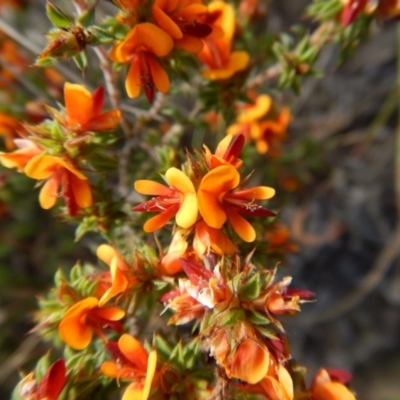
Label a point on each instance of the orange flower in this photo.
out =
(140, 47)
(11, 129)
(250, 362)
(216, 53)
(19, 158)
(207, 238)
(179, 199)
(226, 153)
(182, 20)
(83, 110)
(122, 278)
(277, 384)
(218, 203)
(261, 122)
(324, 387)
(58, 172)
(85, 318)
(133, 363)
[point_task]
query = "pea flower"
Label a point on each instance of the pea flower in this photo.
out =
(183, 21)
(218, 202)
(178, 200)
(122, 279)
(262, 122)
(61, 178)
(216, 53)
(141, 47)
(83, 110)
(85, 318)
(132, 362)
(327, 386)
(226, 153)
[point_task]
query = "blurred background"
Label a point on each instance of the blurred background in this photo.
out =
(344, 218)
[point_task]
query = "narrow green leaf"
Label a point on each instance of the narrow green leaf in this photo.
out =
(57, 17)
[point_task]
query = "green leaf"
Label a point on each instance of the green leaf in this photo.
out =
(57, 17)
(97, 36)
(87, 17)
(81, 60)
(250, 290)
(42, 366)
(258, 318)
(231, 318)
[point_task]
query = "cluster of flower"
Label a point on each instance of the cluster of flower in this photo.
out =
(205, 277)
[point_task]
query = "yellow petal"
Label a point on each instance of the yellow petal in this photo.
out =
(151, 369)
(119, 283)
(286, 382)
(78, 104)
(179, 181)
(106, 253)
(188, 211)
(133, 392)
(49, 193)
(42, 166)
(261, 107)
(238, 60)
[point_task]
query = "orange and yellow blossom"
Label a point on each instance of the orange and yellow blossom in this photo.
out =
(216, 53)
(183, 21)
(62, 178)
(178, 200)
(218, 203)
(324, 387)
(226, 153)
(208, 239)
(141, 47)
(83, 110)
(85, 318)
(132, 362)
(11, 129)
(262, 123)
(277, 384)
(122, 278)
